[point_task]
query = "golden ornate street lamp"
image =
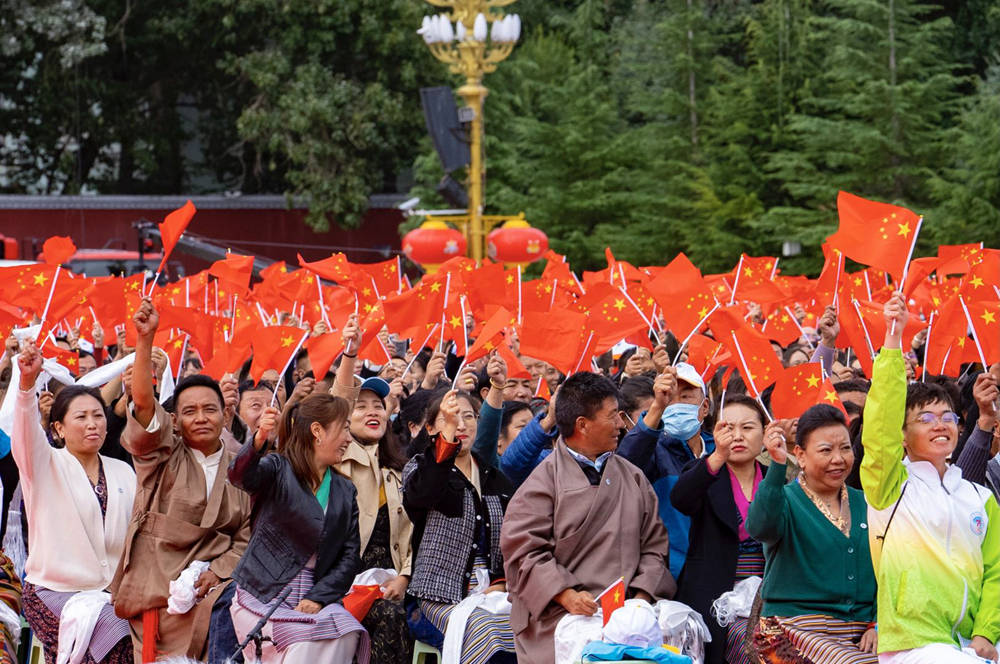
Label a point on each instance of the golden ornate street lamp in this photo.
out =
(481, 37)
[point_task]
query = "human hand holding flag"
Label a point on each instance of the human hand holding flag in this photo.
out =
(612, 598)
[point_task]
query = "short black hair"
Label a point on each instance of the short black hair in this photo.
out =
(197, 380)
(510, 409)
(852, 385)
(633, 389)
(580, 396)
(919, 395)
(818, 416)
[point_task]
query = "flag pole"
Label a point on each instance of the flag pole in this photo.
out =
(609, 588)
(635, 306)
(749, 376)
(291, 358)
(906, 269)
(48, 303)
(975, 336)
(836, 286)
(696, 328)
(736, 281)
(927, 345)
(586, 347)
(864, 328)
(429, 335)
(801, 331)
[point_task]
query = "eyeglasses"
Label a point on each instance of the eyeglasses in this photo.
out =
(947, 417)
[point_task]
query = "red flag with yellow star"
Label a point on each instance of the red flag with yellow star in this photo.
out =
(800, 388)
(752, 353)
(410, 312)
(612, 599)
(706, 355)
(684, 306)
(983, 277)
(491, 335)
(384, 276)
(553, 337)
(610, 316)
(68, 358)
(323, 349)
(26, 285)
(984, 318)
(957, 258)
(780, 326)
(753, 279)
(876, 234)
(273, 348)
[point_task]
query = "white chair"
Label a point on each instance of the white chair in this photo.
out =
(421, 651)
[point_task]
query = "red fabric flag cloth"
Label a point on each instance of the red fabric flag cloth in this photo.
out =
(553, 337)
(201, 327)
(58, 249)
(491, 336)
(273, 347)
(27, 286)
(675, 278)
(234, 270)
(983, 277)
(384, 276)
(171, 229)
(68, 358)
(752, 353)
(826, 285)
(409, 313)
(754, 280)
(515, 368)
(323, 349)
(984, 317)
(542, 391)
(780, 326)
(706, 355)
(360, 599)
(610, 316)
(335, 268)
(486, 286)
(876, 234)
(612, 599)
(684, 305)
(227, 358)
(800, 388)
(957, 258)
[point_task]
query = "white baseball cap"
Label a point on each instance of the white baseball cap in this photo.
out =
(634, 624)
(689, 375)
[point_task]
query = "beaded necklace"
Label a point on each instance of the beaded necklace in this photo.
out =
(842, 522)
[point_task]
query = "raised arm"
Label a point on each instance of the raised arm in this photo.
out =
(639, 444)
(252, 470)
(488, 431)
(882, 469)
(146, 320)
(29, 445)
(343, 382)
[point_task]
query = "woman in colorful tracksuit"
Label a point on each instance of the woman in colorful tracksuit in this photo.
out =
(935, 537)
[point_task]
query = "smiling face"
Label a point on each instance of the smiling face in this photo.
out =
(369, 418)
(933, 440)
(331, 442)
(748, 433)
(84, 426)
(826, 458)
(199, 418)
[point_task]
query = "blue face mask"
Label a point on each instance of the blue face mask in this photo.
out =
(680, 420)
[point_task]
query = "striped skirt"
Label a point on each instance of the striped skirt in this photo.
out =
(289, 626)
(485, 634)
(111, 641)
(822, 639)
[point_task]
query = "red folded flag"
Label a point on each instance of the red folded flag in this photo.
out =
(323, 349)
(800, 388)
(876, 234)
(57, 250)
(612, 599)
(491, 335)
(359, 601)
(984, 318)
(171, 229)
(706, 355)
(553, 337)
(234, 270)
(273, 348)
(444, 450)
(515, 368)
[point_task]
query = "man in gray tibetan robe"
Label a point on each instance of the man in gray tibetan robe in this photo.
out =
(584, 518)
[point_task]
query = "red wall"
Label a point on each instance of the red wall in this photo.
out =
(375, 240)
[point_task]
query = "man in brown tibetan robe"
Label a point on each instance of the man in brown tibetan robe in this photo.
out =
(185, 511)
(584, 518)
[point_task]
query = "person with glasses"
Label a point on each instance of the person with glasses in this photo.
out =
(934, 536)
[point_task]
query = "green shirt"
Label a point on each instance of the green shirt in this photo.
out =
(323, 492)
(810, 566)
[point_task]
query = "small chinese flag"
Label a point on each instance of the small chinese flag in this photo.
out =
(173, 226)
(876, 234)
(234, 270)
(273, 348)
(800, 388)
(543, 391)
(58, 250)
(360, 599)
(612, 598)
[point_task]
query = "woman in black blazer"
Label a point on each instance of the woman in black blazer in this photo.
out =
(304, 546)
(716, 492)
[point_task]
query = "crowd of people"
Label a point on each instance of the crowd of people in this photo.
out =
(242, 519)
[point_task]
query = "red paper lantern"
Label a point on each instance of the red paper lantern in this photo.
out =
(433, 243)
(517, 241)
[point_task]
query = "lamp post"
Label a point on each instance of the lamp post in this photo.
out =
(465, 49)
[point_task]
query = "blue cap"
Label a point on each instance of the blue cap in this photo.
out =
(376, 385)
